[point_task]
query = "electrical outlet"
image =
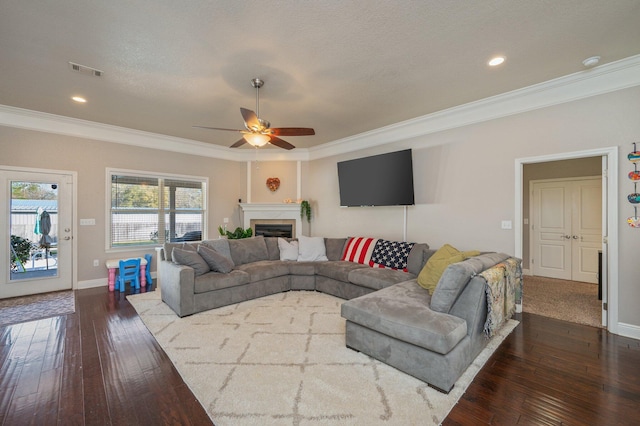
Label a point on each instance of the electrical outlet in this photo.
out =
(225, 220)
(96, 262)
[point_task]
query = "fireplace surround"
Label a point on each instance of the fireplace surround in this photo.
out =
(272, 214)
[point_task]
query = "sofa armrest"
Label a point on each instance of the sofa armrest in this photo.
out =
(471, 306)
(178, 287)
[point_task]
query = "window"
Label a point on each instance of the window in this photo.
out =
(151, 209)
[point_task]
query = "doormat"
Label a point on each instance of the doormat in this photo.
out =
(39, 306)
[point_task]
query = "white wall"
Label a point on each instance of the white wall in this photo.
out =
(90, 158)
(465, 181)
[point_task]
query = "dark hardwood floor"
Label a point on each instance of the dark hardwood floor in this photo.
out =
(98, 366)
(101, 366)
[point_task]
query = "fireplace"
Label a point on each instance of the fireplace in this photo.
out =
(274, 230)
(272, 214)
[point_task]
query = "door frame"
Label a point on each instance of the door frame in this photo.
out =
(610, 262)
(74, 211)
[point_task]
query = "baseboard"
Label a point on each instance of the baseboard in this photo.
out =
(629, 330)
(98, 282)
(526, 272)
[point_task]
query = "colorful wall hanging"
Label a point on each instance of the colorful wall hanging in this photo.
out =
(634, 198)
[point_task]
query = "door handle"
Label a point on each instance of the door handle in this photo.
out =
(566, 236)
(575, 237)
(67, 238)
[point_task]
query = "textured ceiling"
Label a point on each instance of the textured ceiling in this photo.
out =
(341, 67)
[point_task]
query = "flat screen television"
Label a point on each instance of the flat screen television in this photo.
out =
(379, 180)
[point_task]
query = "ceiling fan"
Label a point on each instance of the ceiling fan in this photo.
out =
(258, 131)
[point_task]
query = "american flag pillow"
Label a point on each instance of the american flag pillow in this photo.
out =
(359, 249)
(391, 254)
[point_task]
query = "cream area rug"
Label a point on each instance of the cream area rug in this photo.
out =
(282, 360)
(39, 306)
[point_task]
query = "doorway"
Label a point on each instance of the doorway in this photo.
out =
(38, 249)
(608, 158)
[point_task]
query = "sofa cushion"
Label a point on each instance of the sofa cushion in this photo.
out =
(377, 278)
(335, 247)
(390, 254)
(311, 249)
(168, 250)
(192, 259)
(402, 311)
(247, 250)
(264, 269)
(338, 270)
(272, 248)
(434, 268)
(416, 259)
(216, 261)
(456, 277)
(216, 281)
(302, 268)
(221, 245)
(288, 249)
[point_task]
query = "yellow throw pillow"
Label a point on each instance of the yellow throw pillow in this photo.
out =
(471, 253)
(435, 266)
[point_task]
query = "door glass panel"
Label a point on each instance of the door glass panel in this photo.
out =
(33, 227)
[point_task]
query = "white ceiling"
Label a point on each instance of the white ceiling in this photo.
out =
(341, 67)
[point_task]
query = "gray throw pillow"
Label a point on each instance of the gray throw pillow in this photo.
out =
(221, 245)
(216, 261)
(192, 259)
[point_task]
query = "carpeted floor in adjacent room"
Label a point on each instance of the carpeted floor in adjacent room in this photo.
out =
(571, 301)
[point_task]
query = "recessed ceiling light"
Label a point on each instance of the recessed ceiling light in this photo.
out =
(79, 99)
(591, 62)
(496, 61)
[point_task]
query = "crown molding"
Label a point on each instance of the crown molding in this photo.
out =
(592, 82)
(596, 81)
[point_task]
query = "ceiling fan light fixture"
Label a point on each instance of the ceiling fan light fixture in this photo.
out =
(256, 139)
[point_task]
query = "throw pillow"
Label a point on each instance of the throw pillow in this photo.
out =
(435, 266)
(192, 259)
(217, 262)
(359, 250)
(221, 245)
(391, 254)
(288, 250)
(311, 249)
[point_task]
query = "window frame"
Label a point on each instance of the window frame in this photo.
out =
(161, 177)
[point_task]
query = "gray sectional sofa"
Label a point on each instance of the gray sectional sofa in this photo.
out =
(388, 315)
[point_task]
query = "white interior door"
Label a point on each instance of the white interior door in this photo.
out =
(36, 255)
(551, 230)
(567, 229)
(586, 236)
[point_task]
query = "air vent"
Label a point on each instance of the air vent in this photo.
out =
(83, 69)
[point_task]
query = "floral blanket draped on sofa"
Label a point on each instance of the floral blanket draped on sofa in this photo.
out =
(504, 283)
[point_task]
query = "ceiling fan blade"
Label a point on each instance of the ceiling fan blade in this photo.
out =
(241, 142)
(251, 119)
(280, 143)
(292, 131)
(218, 128)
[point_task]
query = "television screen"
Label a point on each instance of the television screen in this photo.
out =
(379, 180)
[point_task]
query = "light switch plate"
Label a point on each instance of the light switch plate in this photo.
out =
(506, 224)
(85, 222)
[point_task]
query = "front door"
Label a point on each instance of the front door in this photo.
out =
(36, 228)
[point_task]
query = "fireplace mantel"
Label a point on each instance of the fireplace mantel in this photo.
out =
(272, 211)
